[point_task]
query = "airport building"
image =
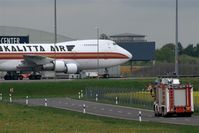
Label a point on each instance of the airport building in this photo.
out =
(128, 37)
(136, 44)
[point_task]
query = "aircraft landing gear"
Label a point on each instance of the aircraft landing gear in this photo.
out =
(13, 76)
(35, 76)
(17, 76)
(106, 74)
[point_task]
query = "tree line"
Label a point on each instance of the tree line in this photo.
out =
(167, 52)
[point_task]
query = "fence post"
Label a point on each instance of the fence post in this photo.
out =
(82, 95)
(116, 100)
(45, 103)
(96, 97)
(84, 108)
(10, 97)
(26, 100)
(140, 116)
(79, 95)
(1, 97)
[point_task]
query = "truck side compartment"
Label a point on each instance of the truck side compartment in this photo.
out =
(172, 98)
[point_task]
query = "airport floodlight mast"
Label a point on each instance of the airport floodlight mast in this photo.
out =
(98, 50)
(176, 41)
(55, 21)
(55, 30)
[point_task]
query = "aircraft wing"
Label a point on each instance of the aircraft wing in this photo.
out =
(37, 59)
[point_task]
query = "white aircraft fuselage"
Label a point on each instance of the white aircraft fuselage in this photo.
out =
(68, 57)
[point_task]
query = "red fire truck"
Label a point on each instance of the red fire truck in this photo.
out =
(172, 98)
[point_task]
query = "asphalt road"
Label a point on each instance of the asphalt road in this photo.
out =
(109, 110)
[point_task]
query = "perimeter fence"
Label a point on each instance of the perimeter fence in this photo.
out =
(127, 97)
(121, 96)
(186, 69)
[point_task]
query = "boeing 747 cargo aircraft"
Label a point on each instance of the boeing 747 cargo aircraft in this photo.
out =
(68, 57)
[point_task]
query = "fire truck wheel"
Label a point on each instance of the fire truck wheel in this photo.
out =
(162, 114)
(20, 77)
(188, 115)
(155, 114)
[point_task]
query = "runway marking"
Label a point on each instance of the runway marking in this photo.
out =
(119, 111)
(170, 120)
(102, 108)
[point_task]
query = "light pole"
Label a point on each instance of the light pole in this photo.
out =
(98, 51)
(55, 21)
(55, 31)
(176, 41)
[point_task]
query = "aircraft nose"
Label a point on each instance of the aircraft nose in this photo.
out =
(128, 54)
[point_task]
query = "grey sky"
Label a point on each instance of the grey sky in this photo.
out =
(78, 18)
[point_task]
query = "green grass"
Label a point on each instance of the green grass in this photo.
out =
(71, 88)
(141, 99)
(144, 96)
(188, 59)
(193, 81)
(20, 118)
(67, 88)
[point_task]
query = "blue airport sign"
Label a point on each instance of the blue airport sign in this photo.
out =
(14, 39)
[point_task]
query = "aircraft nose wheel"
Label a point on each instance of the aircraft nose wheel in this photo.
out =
(12, 76)
(20, 77)
(106, 76)
(35, 77)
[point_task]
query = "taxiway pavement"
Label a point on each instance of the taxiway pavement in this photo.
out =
(107, 110)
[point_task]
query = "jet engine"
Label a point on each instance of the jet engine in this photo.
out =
(61, 66)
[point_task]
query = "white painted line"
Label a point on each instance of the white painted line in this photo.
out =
(129, 113)
(110, 110)
(102, 108)
(111, 105)
(119, 111)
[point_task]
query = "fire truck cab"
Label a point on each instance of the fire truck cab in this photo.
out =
(171, 98)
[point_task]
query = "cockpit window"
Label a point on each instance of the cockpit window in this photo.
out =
(114, 43)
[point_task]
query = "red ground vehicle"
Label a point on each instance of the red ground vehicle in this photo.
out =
(173, 98)
(21, 76)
